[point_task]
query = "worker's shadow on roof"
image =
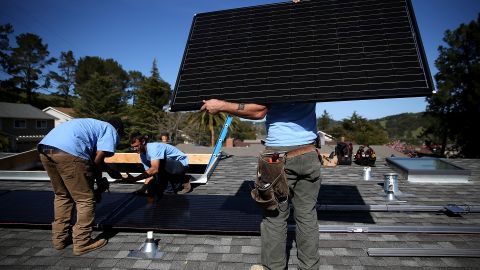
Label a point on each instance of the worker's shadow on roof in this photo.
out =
(329, 195)
(333, 204)
(242, 200)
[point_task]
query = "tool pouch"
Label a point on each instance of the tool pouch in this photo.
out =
(271, 187)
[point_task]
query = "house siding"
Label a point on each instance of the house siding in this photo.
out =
(30, 129)
(23, 144)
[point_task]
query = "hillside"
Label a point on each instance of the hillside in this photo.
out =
(405, 127)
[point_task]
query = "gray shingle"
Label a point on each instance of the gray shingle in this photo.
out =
(141, 264)
(250, 250)
(13, 250)
(159, 265)
(104, 263)
(197, 256)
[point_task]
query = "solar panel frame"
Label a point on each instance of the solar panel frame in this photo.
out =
(324, 50)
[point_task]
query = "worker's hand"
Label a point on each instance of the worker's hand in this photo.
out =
(213, 106)
(296, 1)
(128, 179)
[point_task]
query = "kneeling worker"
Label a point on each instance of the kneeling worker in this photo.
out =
(163, 163)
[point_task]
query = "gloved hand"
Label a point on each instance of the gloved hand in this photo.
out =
(128, 179)
(102, 186)
(132, 179)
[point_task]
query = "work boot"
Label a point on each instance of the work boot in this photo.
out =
(92, 245)
(257, 267)
(61, 236)
(61, 245)
(186, 187)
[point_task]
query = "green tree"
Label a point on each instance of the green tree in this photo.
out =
(27, 62)
(192, 131)
(212, 122)
(66, 79)
(147, 111)
(404, 127)
(362, 131)
(206, 121)
(9, 91)
(5, 49)
(135, 81)
(324, 122)
(456, 105)
(244, 130)
(100, 98)
(155, 89)
(100, 85)
(90, 66)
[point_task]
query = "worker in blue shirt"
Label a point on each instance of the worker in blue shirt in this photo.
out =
(73, 155)
(163, 163)
(291, 132)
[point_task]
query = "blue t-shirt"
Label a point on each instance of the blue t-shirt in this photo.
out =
(290, 124)
(83, 137)
(158, 151)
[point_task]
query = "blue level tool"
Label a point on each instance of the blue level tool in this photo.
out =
(218, 145)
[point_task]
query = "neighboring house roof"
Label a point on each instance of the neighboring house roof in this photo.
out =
(24, 111)
(67, 112)
(327, 136)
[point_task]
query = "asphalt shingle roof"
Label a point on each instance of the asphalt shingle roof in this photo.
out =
(30, 248)
(26, 111)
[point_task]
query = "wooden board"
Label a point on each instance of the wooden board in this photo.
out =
(193, 159)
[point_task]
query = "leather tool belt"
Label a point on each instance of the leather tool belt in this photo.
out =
(301, 151)
(271, 186)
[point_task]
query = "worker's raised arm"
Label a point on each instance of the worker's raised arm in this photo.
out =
(245, 110)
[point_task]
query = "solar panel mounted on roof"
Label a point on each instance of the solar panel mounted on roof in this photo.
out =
(322, 50)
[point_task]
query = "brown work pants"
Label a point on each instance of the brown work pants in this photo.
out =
(72, 180)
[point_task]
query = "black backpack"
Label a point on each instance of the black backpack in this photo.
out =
(344, 153)
(365, 157)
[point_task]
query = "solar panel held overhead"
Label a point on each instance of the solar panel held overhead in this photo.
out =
(319, 50)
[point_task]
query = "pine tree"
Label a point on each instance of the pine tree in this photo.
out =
(148, 109)
(27, 62)
(324, 121)
(5, 49)
(456, 106)
(66, 79)
(100, 98)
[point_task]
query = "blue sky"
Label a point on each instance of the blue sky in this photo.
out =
(134, 32)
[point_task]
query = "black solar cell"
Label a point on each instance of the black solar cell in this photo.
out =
(321, 50)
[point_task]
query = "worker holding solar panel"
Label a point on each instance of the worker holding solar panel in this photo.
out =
(288, 170)
(164, 164)
(314, 51)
